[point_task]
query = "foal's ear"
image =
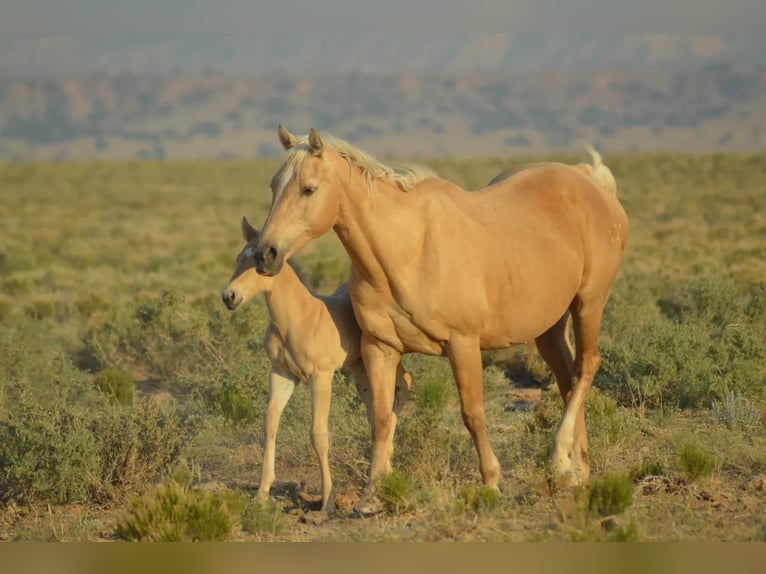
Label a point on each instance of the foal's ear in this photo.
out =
(315, 142)
(288, 140)
(248, 231)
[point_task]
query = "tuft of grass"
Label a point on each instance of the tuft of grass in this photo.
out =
(648, 467)
(694, 461)
(431, 396)
(171, 513)
(735, 410)
(612, 494)
(395, 491)
(480, 499)
(262, 517)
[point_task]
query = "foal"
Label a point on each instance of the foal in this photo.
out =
(309, 338)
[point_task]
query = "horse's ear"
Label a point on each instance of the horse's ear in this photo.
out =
(248, 231)
(288, 140)
(315, 142)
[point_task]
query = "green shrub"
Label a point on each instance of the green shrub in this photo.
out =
(136, 447)
(262, 517)
(707, 341)
(694, 461)
(479, 499)
(610, 495)
(431, 395)
(116, 384)
(707, 301)
(232, 405)
(395, 491)
(172, 513)
(47, 449)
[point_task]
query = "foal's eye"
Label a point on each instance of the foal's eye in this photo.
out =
(308, 191)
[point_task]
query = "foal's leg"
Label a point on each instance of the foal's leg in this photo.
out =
(321, 391)
(280, 391)
(465, 358)
(569, 461)
(362, 384)
(403, 388)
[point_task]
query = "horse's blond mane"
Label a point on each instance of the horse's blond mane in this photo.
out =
(405, 177)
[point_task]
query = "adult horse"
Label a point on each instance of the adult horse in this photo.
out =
(442, 271)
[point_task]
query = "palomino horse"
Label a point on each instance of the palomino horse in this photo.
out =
(441, 271)
(600, 174)
(308, 339)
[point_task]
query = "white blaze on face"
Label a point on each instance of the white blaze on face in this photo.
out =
(287, 175)
(248, 252)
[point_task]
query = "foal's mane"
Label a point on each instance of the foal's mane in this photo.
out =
(405, 177)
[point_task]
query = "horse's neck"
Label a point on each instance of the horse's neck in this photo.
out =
(378, 228)
(289, 301)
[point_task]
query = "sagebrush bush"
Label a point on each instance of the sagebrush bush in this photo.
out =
(62, 440)
(136, 447)
(47, 448)
(116, 384)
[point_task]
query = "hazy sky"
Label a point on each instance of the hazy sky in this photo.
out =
(89, 17)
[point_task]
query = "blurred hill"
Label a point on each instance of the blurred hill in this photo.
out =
(467, 95)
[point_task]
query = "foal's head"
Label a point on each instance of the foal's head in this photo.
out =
(245, 283)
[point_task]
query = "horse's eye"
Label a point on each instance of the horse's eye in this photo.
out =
(309, 190)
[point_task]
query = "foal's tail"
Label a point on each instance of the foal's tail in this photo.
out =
(600, 173)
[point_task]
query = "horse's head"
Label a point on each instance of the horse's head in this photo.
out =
(245, 283)
(304, 201)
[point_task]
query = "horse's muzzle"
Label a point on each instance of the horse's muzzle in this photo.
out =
(268, 261)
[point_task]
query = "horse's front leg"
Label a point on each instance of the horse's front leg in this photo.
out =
(381, 363)
(321, 392)
(465, 359)
(281, 387)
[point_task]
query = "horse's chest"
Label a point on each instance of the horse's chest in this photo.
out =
(385, 320)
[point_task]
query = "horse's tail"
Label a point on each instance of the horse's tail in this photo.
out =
(600, 173)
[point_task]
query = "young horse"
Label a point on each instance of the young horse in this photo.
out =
(441, 271)
(309, 338)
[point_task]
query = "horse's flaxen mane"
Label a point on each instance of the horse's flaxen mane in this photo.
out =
(406, 177)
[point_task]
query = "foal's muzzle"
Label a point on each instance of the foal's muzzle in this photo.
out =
(230, 298)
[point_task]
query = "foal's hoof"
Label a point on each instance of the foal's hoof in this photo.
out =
(369, 505)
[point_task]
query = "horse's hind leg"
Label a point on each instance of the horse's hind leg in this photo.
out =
(554, 348)
(570, 449)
